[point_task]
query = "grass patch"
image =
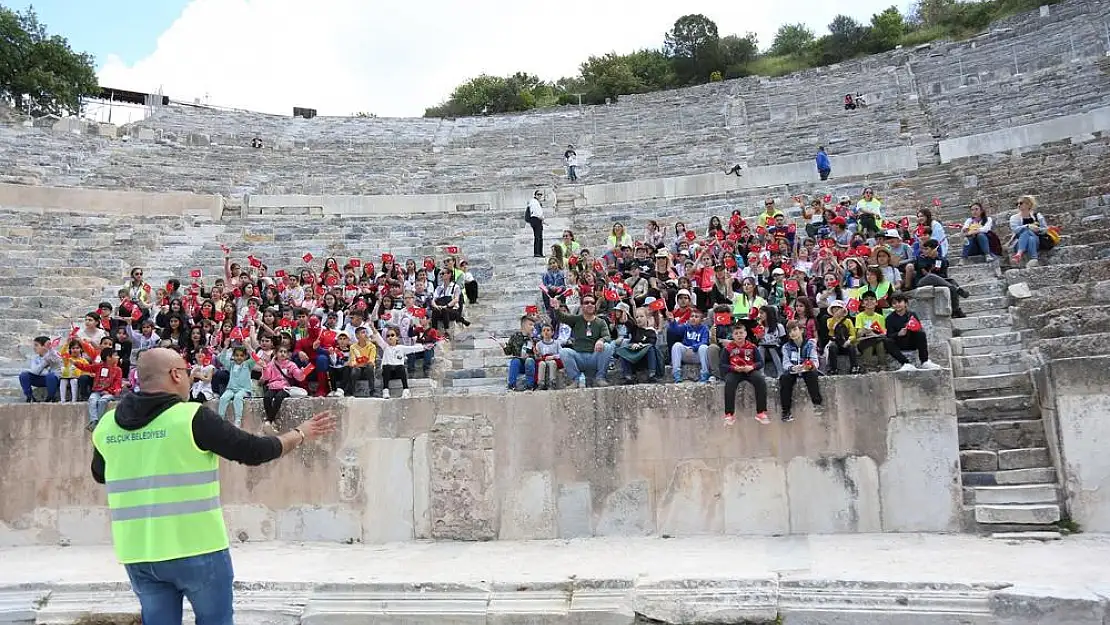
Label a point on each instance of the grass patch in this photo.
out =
(777, 65)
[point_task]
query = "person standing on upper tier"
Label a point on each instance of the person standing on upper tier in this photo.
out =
(824, 167)
(570, 157)
(535, 219)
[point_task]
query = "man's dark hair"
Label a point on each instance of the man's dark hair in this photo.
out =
(103, 305)
(869, 295)
(41, 340)
(899, 297)
(524, 318)
(931, 244)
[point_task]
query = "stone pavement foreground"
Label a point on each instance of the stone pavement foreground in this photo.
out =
(869, 578)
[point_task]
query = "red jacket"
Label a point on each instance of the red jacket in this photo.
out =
(741, 355)
(105, 379)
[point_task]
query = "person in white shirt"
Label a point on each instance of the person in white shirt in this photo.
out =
(571, 159)
(535, 219)
(975, 228)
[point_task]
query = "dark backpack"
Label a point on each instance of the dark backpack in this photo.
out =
(528, 213)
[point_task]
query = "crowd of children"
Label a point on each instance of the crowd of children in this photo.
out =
(779, 294)
(320, 330)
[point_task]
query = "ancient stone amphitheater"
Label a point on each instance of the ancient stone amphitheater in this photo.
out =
(1007, 439)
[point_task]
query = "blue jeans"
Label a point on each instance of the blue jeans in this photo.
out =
(528, 367)
(29, 380)
(977, 244)
(578, 363)
(1028, 243)
(651, 359)
(98, 405)
(205, 579)
(427, 355)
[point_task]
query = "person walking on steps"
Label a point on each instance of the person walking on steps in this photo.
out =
(158, 456)
(535, 219)
(570, 157)
(824, 167)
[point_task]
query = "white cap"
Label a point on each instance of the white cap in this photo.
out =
(778, 272)
(682, 292)
(836, 304)
(893, 234)
(648, 300)
(845, 198)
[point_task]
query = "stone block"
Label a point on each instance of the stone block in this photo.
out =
(388, 490)
(1018, 514)
(691, 503)
(528, 508)
(628, 511)
(978, 460)
(319, 523)
(463, 496)
(421, 484)
(575, 508)
(918, 474)
(1021, 493)
(85, 526)
(755, 497)
(837, 495)
(1023, 458)
(250, 523)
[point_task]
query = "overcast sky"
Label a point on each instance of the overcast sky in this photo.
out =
(397, 58)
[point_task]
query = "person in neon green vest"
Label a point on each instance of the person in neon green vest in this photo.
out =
(158, 456)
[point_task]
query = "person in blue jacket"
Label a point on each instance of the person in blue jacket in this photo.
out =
(824, 168)
(693, 348)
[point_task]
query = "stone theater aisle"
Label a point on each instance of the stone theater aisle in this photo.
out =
(869, 578)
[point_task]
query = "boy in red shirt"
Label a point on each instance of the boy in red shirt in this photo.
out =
(107, 383)
(743, 362)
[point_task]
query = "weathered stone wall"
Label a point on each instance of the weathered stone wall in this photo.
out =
(651, 460)
(1076, 410)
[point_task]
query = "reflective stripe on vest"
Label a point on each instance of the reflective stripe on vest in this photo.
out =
(163, 491)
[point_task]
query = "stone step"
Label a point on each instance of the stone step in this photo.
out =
(1025, 514)
(1044, 475)
(988, 344)
(989, 364)
(1019, 493)
(1027, 458)
(1028, 536)
(990, 305)
(973, 386)
(1001, 435)
(985, 406)
(988, 331)
(962, 326)
(985, 288)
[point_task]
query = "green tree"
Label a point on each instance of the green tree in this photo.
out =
(693, 47)
(845, 40)
(791, 39)
(41, 67)
(487, 95)
(736, 53)
(887, 30)
(611, 75)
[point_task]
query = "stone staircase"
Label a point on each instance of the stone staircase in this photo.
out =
(1010, 484)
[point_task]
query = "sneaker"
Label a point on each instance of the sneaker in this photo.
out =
(332, 394)
(729, 418)
(857, 370)
(762, 418)
(787, 417)
(628, 380)
(712, 379)
(544, 387)
(30, 399)
(339, 392)
(677, 380)
(1033, 262)
(908, 367)
(581, 380)
(406, 394)
(601, 383)
(929, 364)
(385, 393)
(653, 379)
(703, 378)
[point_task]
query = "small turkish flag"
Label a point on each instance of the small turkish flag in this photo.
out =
(730, 262)
(877, 327)
(766, 263)
(611, 295)
(331, 280)
(146, 287)
(429, 264)
(826, 243)
(74, 331)
(755, 248)
(362, 360)
(853, 305)
(832, 283)
(307, 257)
(387, 258)
(307, 371)
(913, 325)
(280, 273)
(387, 316)
(827, 198)
(720, 234)
(136, 314)
(220, 315)
(904, 222)
(194, 273)
(225, 249)
(237, 334)
(761, 231)
(598, 266)
(792, 286)
(531, 310)
(722, 319)
(573, 260)
(791, 228)
(320, 290)
(452, 249)
(753, 312)
(759, 331)
(658, 305)
(419, 313)
(690, 236)
(255, 262)
(733, 237)
(936, 201)
(355, 262)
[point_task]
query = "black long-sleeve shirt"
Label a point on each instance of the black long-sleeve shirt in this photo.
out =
(210, 432)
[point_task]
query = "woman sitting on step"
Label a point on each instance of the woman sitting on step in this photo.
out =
(979, 236)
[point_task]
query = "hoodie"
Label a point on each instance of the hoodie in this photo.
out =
(210, 432)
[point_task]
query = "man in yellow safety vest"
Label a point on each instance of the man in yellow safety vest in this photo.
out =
(158, 456)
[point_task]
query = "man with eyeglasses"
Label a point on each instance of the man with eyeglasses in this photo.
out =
(158, 456)
(589, 350)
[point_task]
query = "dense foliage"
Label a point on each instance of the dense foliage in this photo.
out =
(38, 70)
(694, 52)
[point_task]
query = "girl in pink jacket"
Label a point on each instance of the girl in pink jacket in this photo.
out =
(278, 382)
